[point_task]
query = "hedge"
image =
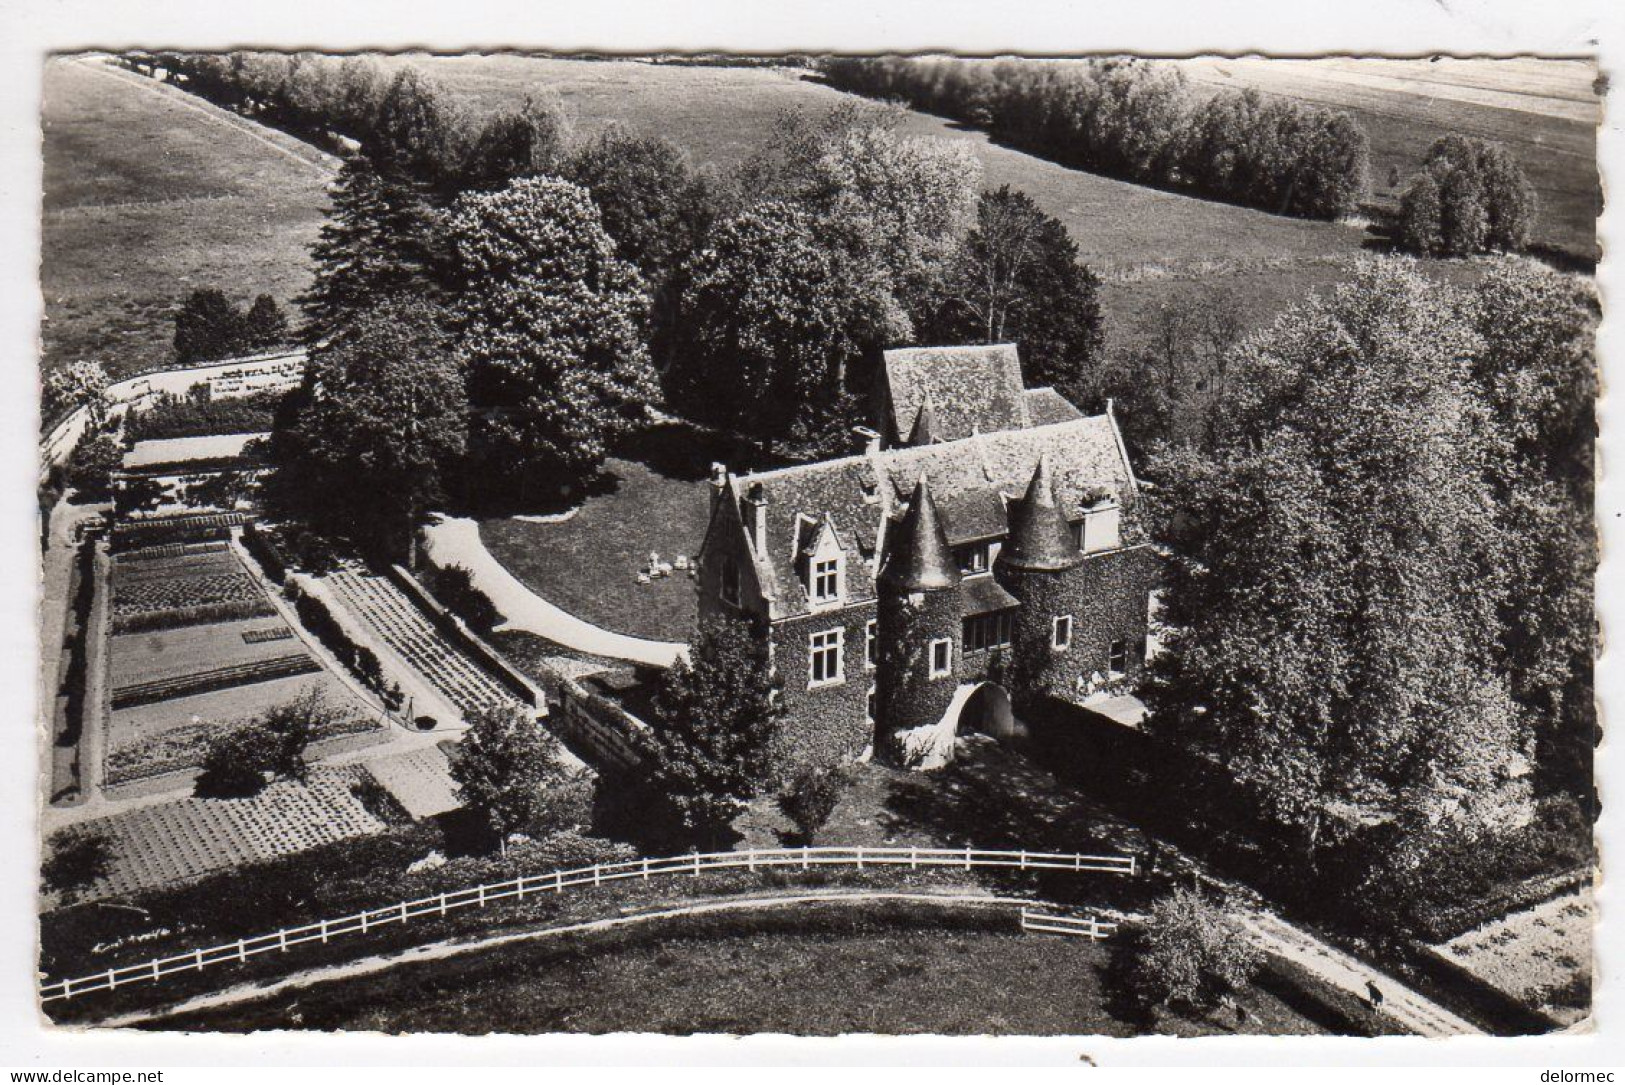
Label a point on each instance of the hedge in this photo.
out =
(314, 616)
(1139, 120)
(264, 550)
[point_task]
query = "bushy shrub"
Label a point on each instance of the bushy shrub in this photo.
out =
(454, 587)
(91, 466)
(75, 858)
(264, 549)
(810, 799)
(237, 763)
(1191, 953)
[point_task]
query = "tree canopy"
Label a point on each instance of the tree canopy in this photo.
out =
(508, 768)
(1336, 561)
(1016, 278)
(715, 715)
(372, 449)
(551, 323)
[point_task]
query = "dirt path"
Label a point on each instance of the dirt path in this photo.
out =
(1416, 1012)
(456, 541)
(366, 966)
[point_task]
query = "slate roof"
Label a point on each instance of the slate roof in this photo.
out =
(984, 595)
(1046, 406)
(1040, 537)
(917, 556)
(972, 482)
(968, 390)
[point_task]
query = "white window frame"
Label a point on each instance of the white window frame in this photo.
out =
(815, 580)
(815, 649)
(1111, 650)
(982, 568)
(1060, 634)
(871, 644)
(947, 669)
(870, 705)
(729, 588)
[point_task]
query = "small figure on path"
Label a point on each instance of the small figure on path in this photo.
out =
(1374, 994)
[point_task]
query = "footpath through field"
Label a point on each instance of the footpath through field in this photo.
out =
(1411, 1009)
(366, 966)
(455, 540)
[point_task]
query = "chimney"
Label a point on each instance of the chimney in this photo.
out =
(870, 439)
(1102, 526)
(756, 518)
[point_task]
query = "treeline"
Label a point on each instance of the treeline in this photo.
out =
(1140, 121)
(401, 117)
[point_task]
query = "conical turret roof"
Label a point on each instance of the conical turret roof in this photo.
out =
(918, 557)
(1040, 537)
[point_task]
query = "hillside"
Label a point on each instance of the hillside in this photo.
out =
(149, 193)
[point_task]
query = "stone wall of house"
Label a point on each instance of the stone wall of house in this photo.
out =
(909, 697)
(1107, 595)
(828, 725)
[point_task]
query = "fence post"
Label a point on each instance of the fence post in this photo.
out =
(1077, 861)
(481, 899)
(750, 859)
(645, 868)
(364, 917)
(696, 864)
(967, 856)
(112, 980)
(914, 858)
(67, 989)
(282, 939)
(558, 881)
(198, 953)
(442, 904)
(1023, 858)
(597, 874)
(859, 851)
(156, 974)
(804, 860)
(403, 913)
(324, 934)
(242, 955)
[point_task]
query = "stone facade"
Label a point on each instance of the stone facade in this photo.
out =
(958, 556)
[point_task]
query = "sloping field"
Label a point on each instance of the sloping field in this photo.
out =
(149, 193)
(721, 115)
(1545, 111)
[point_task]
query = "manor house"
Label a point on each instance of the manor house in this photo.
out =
(983, 546)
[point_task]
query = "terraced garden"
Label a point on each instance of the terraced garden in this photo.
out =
(1541, 956)
(174, 842)
(197, 647)
(398, 623)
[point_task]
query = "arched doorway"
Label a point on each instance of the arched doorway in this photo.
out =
(987, 712)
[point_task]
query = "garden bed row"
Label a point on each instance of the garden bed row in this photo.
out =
(241, 674)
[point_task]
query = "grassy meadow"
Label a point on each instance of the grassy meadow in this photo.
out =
(1147, 245)
(150, 193)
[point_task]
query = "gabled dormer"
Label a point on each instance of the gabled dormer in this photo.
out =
(821, 562)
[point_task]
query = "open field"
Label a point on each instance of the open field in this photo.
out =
(167, 653)
(1541, 955)
(817, 970)
(1545, 111)
(150, 193)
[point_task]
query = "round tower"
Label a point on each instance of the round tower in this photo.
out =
(1034, 566)
(918, 629)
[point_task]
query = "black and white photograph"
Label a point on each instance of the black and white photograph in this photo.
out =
(713, 542)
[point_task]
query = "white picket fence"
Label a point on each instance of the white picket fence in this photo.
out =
(1048, 923)
(558, 881)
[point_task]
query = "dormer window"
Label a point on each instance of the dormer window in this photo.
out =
(973, 559)
(826, 580)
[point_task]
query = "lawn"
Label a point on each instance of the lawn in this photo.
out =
(817, 970)
(587, 563)
(150, 193)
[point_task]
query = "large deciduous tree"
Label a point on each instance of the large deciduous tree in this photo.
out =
(1016, 278)
(551, 324)
(1336, 561)
(383, 429)
(208, 327)
(772, 318)
(715, 716)
(1471, 196)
